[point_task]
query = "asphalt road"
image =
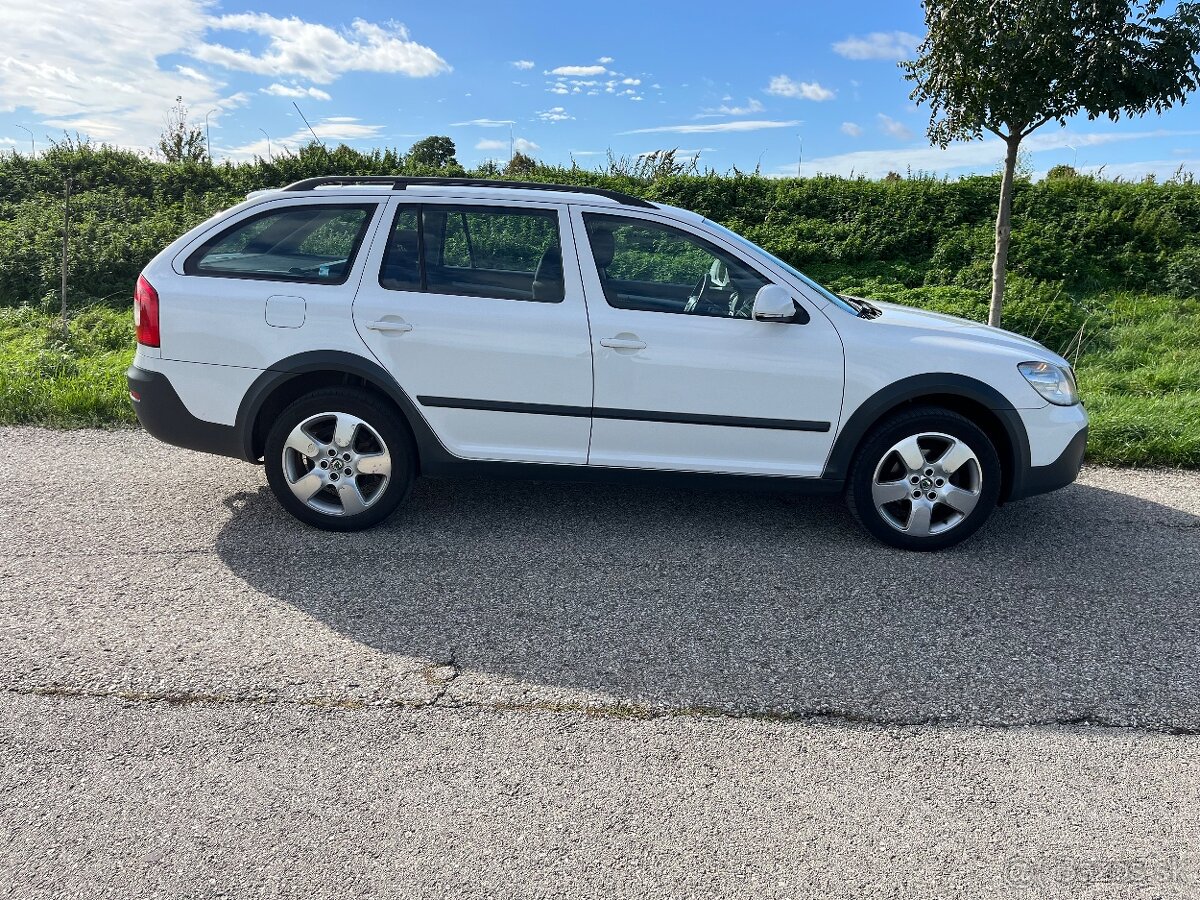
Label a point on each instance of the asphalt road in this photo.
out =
(516, 690)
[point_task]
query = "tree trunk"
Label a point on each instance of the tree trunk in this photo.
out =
(1003, 232)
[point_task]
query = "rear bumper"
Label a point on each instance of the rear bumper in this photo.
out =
(163, 414)
(1060, 473)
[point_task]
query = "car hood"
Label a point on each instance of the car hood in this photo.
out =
(898, 316)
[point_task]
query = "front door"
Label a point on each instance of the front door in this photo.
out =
(467, 306)
(685, 379)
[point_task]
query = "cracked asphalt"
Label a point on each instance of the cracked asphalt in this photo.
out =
(535, 690)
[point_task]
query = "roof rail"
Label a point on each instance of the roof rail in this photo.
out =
(401, 182)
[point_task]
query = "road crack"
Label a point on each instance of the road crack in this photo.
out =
(436, 676)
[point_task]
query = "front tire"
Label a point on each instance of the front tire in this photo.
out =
(339, 459)
(924, 479)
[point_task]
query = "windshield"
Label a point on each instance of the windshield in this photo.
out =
(791, 270)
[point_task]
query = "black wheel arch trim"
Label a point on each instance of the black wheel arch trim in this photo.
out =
(915, 387)
(428, 446)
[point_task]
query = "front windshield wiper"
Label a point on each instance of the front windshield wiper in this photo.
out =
(866, 309)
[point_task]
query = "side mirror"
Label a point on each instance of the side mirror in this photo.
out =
(773, 303)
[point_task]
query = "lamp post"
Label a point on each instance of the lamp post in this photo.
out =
(207, 139)
(32, 145)
(270, 156)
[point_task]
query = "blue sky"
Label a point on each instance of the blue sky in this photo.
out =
(741, 88)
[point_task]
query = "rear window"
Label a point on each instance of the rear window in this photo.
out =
(309, 243)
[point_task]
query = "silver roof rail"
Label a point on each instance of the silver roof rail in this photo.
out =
(401, 182)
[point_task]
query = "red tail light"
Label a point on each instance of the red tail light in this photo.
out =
(145, 313)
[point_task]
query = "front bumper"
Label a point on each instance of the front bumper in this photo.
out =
(164, 415)
(1060, 473)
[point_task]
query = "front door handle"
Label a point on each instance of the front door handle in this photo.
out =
(390, 325)
(623, 343)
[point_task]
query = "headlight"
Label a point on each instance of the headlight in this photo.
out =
(1054, 383)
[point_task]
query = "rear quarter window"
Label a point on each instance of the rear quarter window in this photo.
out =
(312, 243)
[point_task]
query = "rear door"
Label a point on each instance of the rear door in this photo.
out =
(685, 379)
(466, 304)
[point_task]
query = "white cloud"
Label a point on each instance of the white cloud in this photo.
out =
(605, 60)
(521, 145)
(331, 129)
(559, 89)
(484, 123)
(318, 52)
(86, 68)
(522, 63)
(976, 155)
(189, 72)
(752, 106)
(891, 127)
(554, 114)
(283, 90)
(578, 71)
(852, 129)
(878, 45)
(633, 81)
(739, 125)
(783, 86)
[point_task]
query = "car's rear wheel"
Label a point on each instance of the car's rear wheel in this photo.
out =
(339, 459)
(925, 479)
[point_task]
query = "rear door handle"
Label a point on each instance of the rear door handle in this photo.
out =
(390, 325)
(622, 344)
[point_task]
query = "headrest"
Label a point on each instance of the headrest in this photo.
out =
(718, 274)
(603, 246)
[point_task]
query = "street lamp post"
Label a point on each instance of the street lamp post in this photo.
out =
(207, 139)
(32, 144)
(270, 156)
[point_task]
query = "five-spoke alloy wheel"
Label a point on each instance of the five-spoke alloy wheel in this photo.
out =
(924, 480)
(339, 459)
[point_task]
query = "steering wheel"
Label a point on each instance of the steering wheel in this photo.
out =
(726, 301)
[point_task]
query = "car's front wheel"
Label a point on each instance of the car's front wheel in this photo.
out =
(925, 479)
(339, 459)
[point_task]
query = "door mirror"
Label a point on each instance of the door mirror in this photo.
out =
(773, 303)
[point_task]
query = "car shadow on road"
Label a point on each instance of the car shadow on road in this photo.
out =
(1080, 606)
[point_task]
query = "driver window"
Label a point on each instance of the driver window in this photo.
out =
(647, 266)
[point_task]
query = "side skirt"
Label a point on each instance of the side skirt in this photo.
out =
(444, 466)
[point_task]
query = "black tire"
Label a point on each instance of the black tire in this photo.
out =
(981, 478)
(381, 496)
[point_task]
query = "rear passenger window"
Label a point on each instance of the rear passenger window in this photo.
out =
(475, 251)
(308, 243)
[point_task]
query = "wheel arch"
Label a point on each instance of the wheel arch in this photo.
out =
(292, 378)
(969, 397)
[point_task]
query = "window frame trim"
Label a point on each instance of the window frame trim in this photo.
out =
(370, 207)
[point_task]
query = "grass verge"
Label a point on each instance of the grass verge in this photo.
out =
(1137, 357)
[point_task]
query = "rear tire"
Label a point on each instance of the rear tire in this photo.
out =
(924, 479)
(339, 459)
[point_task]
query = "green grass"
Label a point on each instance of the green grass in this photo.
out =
(65, 382)
(1137, 357)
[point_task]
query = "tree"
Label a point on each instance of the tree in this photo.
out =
(1061, 172)
(434, 152)
(520, 164)
(1011, 66)
(180, 142)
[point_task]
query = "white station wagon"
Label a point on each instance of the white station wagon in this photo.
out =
(354, 333)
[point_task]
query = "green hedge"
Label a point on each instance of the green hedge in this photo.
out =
(1078, 235)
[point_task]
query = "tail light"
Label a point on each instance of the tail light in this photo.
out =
(145, 313)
